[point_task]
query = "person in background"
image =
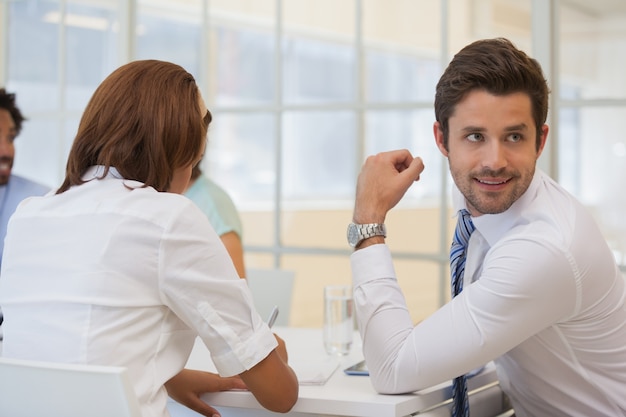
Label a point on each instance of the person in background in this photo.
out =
(541, 294)
(217, 205)
(116, 268)
(13, 188)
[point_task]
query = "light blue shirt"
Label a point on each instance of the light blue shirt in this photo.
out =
(216, 204)
(11, 194)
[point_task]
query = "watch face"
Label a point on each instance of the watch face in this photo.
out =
(353, 234)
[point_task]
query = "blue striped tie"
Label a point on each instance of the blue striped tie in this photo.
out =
(464, 228)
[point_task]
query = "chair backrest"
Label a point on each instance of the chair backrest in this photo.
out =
(271, 287)
(31, 388)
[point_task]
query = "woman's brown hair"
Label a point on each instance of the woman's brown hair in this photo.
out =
(143, 120)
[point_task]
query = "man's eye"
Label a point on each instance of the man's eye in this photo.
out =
(515, 137)
(474, 137)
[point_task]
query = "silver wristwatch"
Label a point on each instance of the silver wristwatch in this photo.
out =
(359, 232)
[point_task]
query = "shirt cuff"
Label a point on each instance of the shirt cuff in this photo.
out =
(371, 263)
(246, 354)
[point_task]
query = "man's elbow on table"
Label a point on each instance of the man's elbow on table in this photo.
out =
(387, 382)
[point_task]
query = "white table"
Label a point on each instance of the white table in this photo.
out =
(344, 395)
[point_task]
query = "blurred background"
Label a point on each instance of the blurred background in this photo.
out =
(303, 90)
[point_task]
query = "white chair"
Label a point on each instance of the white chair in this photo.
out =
(31, 388)
(271, 287)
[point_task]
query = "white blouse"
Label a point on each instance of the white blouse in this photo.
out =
(110, 273)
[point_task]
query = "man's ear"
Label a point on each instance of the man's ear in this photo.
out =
(439, 139)
(544, 137)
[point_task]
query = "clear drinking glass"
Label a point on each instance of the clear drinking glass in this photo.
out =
(338, 319)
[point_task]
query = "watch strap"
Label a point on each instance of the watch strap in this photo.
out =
(360, 232)
(372, 229)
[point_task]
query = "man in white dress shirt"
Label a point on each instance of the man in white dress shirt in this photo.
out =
(543, 297)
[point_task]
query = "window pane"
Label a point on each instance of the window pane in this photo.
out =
(593, 49)
(401, 77)
(402, 26)
(243, 65)
(171, 31)
(327, 18)
(256, 13)
(402, 49)
(91, 50)
(317, 71)
(318, 155)
(589, 136)
(473, 20)
(408, 129)
(241, 156)
(242, 52)
(33, 43)
(319, 58)
(592, 165)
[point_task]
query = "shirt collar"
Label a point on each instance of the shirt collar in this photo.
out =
(97, 172)
(493, 226)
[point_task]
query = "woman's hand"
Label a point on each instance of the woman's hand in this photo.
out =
(187, 386)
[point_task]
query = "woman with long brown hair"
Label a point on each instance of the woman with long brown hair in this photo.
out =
(116, 268)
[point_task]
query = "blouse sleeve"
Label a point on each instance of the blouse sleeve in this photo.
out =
(200, 285)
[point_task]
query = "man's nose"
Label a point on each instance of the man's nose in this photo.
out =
(494, 155)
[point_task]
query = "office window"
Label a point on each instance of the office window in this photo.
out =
(243, 66)
(592, 49)
(241, 154)
(170, 31)
(408, 129)
(400, 77)
(57, 53)
(241, 53)
(303, 90)
(592, 112)
(317, 155)
(91, 50)
(34, 74)
(317, 71)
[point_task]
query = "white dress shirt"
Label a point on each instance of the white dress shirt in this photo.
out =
(543, 298)
(110, 273)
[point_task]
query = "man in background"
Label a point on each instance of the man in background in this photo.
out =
(13, 188)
